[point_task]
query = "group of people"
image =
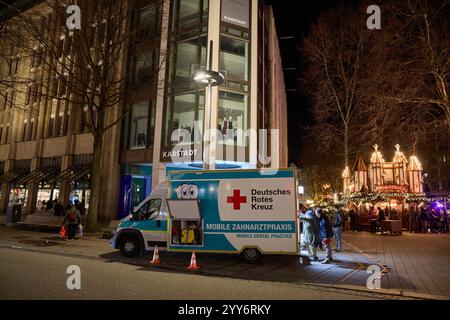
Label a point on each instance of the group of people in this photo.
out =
(57, 208)
(430, 218)
(320, 225)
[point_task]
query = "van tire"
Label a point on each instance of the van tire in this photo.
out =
(130, 246)
(251, 255)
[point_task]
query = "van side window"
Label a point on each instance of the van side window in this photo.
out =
(150, 209)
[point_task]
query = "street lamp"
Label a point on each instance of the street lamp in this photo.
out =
(209, 79)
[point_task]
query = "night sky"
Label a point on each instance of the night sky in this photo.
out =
(293, 19)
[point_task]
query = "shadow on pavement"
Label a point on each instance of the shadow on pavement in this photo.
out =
(289, 269)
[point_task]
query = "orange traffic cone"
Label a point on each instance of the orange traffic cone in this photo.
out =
(155, 256)
(193, 265)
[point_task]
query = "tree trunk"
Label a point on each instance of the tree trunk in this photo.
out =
(346, 145)
(94, 203)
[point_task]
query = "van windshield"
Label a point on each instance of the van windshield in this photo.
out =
(149, 211)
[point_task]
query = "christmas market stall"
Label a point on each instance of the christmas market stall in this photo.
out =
(390, 188)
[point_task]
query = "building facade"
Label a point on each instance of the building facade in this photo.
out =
(46, 148)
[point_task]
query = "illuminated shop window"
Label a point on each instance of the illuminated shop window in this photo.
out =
(183, 111)
(232, 117)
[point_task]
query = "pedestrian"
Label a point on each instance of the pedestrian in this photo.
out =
(423, 219)
(412, 217)
(337, 222)
(326, 233)
(445, 218)
(380, 219)
(432, 219)
(373, 220)
(353, 219)
(302, 210)
(310, 234)
(58, 209)
(49, 205)
(72, 220)
(320, 244)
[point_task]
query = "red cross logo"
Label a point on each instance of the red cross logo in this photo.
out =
(237, 199)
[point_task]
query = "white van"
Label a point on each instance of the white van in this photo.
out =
(251, 212)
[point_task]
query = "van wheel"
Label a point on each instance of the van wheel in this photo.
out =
(251, 255)
(129, 246)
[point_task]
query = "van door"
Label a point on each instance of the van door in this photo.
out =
(152, 222)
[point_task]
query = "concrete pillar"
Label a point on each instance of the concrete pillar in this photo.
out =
(253, 108)
(211, 112)
(160, 97)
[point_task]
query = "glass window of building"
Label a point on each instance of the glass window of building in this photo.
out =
(190, 56)
(234, 62)
(190, 12)
(24, 130)
(31, 133)
(184, 103)
(149, 21)
(189, 17)
(146, 68)
(184, 111)
(142, 125)
(233, 116)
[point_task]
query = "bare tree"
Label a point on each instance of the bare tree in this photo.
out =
(386, 86)
(89, 63)
(335, 50)
(414, 54)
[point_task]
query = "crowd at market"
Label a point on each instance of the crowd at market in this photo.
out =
(321, 224)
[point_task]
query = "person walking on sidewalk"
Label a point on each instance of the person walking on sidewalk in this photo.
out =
(337, 222)
(310, 234)
(72, 220)
(326, 233)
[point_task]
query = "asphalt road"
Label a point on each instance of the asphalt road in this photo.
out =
(38, 275)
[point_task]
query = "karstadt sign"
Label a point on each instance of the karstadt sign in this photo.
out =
(236, 12)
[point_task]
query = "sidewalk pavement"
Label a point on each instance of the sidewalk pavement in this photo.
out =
(416, 263)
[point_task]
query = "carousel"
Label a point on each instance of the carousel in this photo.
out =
(394, 187)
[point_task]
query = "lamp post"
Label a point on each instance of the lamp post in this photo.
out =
(209, 79)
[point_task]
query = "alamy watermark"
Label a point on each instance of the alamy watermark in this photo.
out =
(73, 282)
(374, 20)
(73, 21)
(374, 280)
(194, 145)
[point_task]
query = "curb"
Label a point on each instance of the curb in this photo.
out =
(395, 292)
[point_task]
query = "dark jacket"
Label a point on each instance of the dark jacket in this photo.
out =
(381, 216)
(423, 215)
(353, 216)
(325, 227)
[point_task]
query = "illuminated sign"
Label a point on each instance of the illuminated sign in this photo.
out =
(236, 12)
